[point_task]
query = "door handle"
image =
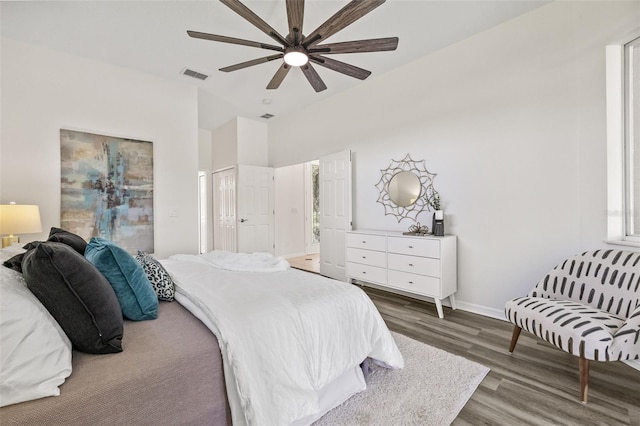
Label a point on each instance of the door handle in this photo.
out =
(244, 220)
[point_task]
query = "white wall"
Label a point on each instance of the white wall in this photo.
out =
(513, 122)
(290, 214)
(253, 142)
(240, 141)
(225, 145)
(44, 91)
(205, 149)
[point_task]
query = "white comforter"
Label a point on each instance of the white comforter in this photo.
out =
(283, 335)
(241, 262)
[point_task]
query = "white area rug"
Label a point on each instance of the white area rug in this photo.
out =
(431, 389)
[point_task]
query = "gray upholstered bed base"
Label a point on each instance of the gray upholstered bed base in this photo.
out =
(169, 373)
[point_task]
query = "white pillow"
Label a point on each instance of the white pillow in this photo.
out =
(35, 354)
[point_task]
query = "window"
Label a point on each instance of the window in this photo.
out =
(623, 141)
(632, 139)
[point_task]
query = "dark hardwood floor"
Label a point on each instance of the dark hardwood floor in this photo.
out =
(536, 385)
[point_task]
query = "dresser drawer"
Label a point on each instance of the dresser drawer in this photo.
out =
(372, 274)
(414, 264)
(367, 257)
(366, 241)
(420, 284)
(414, 246)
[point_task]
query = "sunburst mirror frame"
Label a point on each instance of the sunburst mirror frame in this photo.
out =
(427, 191)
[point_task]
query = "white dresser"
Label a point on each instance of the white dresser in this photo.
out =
(411, 265)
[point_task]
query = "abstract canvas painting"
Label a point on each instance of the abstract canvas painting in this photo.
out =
(107, 188)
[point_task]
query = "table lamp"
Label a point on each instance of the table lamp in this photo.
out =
(18, 219)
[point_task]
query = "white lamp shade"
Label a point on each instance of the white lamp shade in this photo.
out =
(19, 219)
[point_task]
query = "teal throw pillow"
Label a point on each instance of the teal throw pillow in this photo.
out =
(135, 293)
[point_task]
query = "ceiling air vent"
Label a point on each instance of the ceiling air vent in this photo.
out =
(194, 74)
(267, 116)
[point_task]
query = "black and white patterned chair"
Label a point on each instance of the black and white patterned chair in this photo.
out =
(589, 306)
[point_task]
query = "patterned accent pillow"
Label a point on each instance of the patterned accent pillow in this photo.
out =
(158, 276)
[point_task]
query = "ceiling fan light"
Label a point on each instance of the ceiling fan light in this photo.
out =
(296, 58)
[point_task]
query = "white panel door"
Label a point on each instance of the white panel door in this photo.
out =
(335, 207)
(255, 218)
(224, 208)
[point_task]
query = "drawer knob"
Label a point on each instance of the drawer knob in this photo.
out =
(410, 282)
(364, 242)
(411, 264)
(410, 247)
(363, 272)
(364, 257)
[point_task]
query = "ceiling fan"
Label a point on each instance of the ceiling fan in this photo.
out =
(299, 50)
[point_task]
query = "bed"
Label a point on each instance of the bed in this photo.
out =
(197, 363)
(168, 373)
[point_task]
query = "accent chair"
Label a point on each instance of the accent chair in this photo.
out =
(588, 306)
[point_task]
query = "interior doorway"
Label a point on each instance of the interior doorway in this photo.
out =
(313, 202)
(312, 207)
(309, 262)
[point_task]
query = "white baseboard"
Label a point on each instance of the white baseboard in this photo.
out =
(481, 310)
(634, 363)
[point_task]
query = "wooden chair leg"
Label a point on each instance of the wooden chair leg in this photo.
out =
(583, 364)
(514, 338)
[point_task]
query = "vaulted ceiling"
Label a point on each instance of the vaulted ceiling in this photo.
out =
(150, 36)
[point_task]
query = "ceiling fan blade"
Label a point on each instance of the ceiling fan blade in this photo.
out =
(353, 11)
(295, 15)
(371, 45)
(247, 14)
(251, 63)
(313, 77)
(341, 67)
(279, 76)
(232, 40)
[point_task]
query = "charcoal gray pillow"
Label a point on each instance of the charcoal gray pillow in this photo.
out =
(15, 262)
(59, 235)
(77, 295)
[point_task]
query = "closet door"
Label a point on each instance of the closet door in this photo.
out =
(335, 207)
(255, 219)
(224, 208)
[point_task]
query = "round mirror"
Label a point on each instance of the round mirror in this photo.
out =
(404, 188)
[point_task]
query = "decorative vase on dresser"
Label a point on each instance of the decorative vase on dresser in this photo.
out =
(416, 266)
